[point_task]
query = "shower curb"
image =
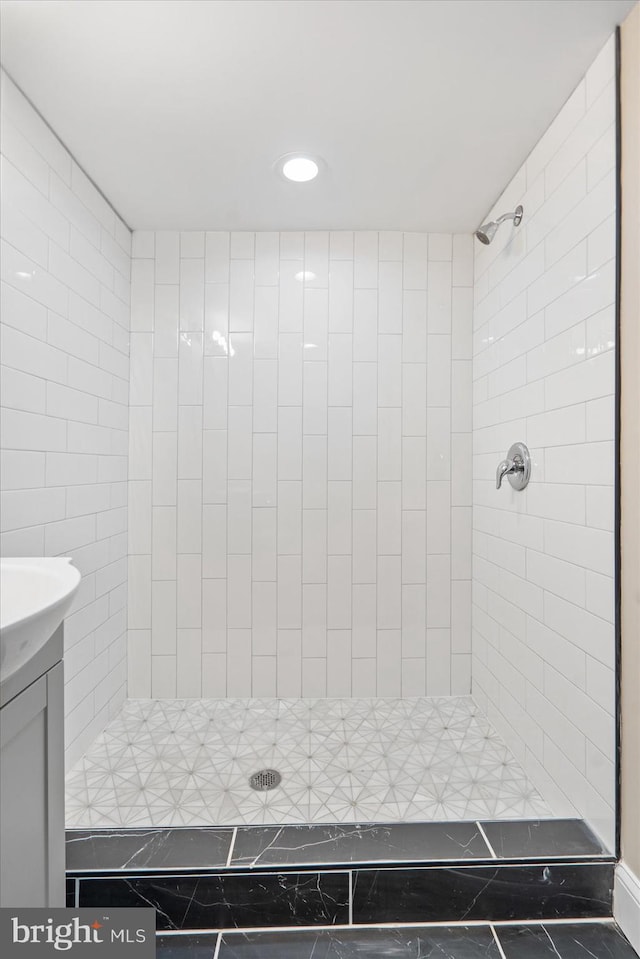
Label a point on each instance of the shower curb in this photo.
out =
(255, 878)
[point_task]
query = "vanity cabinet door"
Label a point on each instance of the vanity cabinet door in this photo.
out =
(32, 795)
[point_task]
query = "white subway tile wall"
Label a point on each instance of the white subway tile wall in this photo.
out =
(544, 373)
(65, 385)
(300, 481)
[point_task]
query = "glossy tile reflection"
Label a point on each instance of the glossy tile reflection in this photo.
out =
(228, 901)
(458, 943)
(592, 940)
(483, 893)
(566, 941)
(545, 839)
(398, 842)
(131, 849)
(187, 763)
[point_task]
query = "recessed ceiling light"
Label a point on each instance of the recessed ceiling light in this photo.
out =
(299, 168)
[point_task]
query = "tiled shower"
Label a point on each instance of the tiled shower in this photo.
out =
(267, 456)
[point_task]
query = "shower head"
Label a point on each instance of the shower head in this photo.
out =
(487, 231)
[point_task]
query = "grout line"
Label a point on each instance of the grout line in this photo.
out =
(225, 474)
(403, 863)
(218, 944)
(276, 558)
(484, 836)
(202, 458)
(338, 870)
(377, 864)
(462, 923)
(352, 584)
(231, 845)
(351, 897)
(331, 869)
(204, 931)
(497, 941)
(589, 920)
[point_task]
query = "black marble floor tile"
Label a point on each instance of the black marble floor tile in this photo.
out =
(103, 850)
(489, 893)
(542, 838)
(230, 900)
(196, 946)
(565, 941)
(457, 943)
(345, 844)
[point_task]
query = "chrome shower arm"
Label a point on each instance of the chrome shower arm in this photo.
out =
(516, 216)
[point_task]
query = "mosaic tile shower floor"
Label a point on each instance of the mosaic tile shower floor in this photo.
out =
(188, 762)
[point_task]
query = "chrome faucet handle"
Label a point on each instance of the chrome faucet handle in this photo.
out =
(517, 466)
(505, 468)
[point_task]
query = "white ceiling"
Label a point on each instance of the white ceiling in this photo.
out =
(421, 109)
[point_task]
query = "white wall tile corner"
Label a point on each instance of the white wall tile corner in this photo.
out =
(65, 388)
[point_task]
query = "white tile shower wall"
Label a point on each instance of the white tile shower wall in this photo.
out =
(544, 373)
(300, 481)
(65, 382)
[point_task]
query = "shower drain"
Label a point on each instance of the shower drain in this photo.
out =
(265, 779)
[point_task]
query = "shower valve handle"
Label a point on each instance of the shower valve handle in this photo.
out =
(508, 467)
(516, 466)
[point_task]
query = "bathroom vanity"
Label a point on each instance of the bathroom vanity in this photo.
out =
(35, 595)
(32, 781)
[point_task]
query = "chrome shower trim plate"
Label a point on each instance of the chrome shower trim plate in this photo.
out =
(520, 455)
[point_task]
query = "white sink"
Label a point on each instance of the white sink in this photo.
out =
(35, 595)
